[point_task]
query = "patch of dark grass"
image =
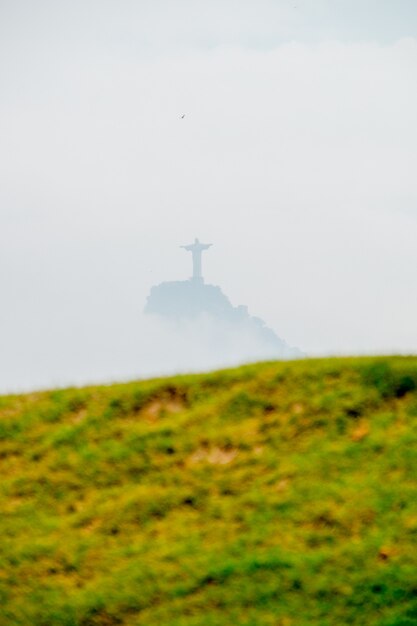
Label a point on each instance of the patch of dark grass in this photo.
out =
(243, 405)
(391, 380)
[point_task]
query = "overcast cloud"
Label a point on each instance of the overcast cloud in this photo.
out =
(296, 158)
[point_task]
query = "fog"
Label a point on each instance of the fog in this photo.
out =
(295, 158)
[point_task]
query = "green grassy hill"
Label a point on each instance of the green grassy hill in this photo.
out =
(273, 494)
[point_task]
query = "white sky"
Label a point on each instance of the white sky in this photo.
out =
(296, 158)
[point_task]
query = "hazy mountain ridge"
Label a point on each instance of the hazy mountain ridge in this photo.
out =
(187, 302)
(279, 493)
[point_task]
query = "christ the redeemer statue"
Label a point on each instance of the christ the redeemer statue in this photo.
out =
(196, 250)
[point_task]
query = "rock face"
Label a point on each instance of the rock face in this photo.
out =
(189, 299)
(231, 328)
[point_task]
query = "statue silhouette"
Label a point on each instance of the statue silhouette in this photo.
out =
(196, 250)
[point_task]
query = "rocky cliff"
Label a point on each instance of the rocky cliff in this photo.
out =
(190, 300)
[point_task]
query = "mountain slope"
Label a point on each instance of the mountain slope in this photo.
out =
(273, 494)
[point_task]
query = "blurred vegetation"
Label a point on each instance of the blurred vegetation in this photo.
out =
(273, 494)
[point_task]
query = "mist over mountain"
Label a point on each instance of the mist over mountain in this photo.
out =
(226, 334)
(284, 131)
(182, 326)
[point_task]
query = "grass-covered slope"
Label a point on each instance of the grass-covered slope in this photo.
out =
(276, 494)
